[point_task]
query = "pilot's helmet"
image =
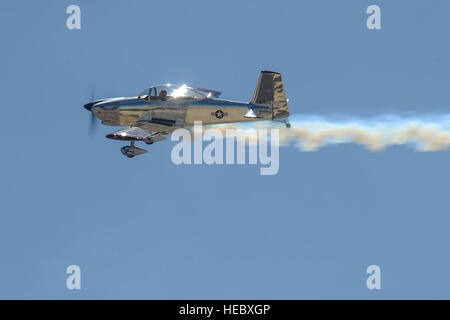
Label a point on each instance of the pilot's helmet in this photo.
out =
(163, 93)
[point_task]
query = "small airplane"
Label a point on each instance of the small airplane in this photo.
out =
(160, 110)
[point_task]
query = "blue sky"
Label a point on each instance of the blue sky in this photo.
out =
(149, 229)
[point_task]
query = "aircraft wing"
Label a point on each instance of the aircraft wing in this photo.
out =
(162, 121)
(136, 133)
(152, 127)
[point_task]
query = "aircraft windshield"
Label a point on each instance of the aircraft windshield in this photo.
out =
(171, 92)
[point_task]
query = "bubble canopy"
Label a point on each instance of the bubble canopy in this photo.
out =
(170, 91)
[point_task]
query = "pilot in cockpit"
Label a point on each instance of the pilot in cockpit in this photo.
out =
(163, 95)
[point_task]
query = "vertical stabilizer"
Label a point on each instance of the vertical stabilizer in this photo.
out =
(270, 92)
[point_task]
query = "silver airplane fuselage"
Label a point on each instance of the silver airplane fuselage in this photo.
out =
(160, 110)
(178, 112)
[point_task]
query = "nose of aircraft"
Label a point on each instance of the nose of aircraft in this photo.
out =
(88, 106)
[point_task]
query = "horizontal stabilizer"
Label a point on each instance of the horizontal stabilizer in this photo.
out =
(250, 114)
(257, 113)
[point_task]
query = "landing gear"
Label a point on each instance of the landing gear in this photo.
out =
(131, 150)
(148, 141)
(286, 122)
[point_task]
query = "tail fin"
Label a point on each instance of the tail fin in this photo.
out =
(270, 92)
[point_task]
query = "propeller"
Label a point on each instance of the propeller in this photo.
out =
(93, 122)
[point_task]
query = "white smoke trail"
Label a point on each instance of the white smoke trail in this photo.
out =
(309, 133)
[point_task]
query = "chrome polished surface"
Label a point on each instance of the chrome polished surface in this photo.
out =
(159, 110)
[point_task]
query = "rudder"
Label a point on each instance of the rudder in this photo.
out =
(270, 92)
